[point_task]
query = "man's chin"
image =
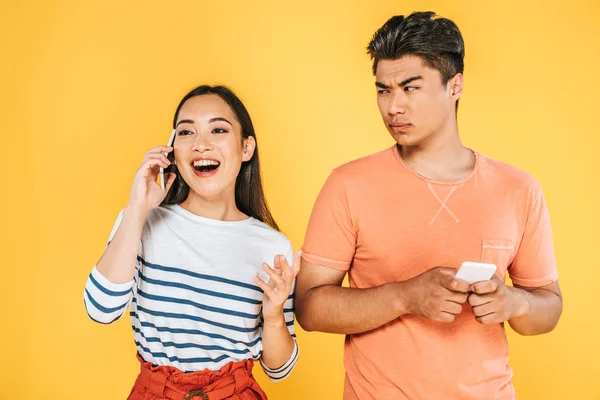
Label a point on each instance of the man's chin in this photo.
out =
(405, 139)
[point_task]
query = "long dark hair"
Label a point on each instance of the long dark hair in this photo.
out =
(249, 193)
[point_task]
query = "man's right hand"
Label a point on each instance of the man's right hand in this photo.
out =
(435, 294)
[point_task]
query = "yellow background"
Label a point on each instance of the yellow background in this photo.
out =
(87, 87)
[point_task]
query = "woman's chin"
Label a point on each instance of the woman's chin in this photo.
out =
(207, 189)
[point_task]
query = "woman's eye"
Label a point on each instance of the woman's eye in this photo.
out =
(184, 133)
(219, 130)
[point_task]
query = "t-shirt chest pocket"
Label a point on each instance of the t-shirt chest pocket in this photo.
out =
(499, 252)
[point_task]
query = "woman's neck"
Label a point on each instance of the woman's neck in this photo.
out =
(218, 209)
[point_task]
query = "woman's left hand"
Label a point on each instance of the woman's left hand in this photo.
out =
(279, 287)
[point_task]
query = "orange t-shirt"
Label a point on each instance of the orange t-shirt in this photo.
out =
(383, 222)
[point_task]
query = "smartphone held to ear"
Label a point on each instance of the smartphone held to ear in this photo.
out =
(473, 272)
(162, 170)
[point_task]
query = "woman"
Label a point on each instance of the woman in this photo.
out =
(189, 261)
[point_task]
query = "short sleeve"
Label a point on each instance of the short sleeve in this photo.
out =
(534, 264)
(331, 236)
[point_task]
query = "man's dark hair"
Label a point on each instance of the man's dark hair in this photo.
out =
(437, 41)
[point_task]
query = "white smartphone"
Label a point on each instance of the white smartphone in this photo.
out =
(473, 272)
(162, 170)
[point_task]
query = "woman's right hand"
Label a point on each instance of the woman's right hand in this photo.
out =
(146, 193)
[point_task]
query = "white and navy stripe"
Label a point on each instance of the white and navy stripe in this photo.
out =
(182, 313)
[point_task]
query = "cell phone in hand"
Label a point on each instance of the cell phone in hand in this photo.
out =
(473, 272)
(162, 170)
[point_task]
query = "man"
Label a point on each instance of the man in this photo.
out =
(401, 221)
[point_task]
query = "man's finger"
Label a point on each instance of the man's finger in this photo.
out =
(456, 285)
(485, 287)
(477, 300)
(484, 309)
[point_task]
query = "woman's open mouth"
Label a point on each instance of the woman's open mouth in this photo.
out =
(205, 168)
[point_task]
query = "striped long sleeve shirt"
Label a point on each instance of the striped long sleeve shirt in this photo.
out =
(192, 302)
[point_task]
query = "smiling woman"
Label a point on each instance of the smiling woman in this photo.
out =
(226, 128)
(186, 261)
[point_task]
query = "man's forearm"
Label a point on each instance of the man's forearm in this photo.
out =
(539, 311)
(336, 309)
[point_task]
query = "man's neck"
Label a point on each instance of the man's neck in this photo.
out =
(442, 158)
